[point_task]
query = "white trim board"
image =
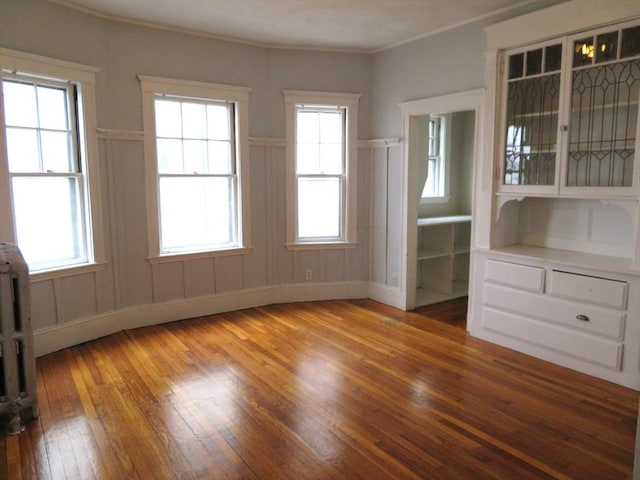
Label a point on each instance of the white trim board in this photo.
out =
(392, 296)
(51, 339)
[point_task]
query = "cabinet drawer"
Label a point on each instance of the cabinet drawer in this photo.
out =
(515, 275)
(601, 291)
(587, 318)
(579, 345)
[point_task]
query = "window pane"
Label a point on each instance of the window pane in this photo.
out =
(607, 47)
(583, 51)
(194, 120)
(319, 207)
(331, 127)
(22, 148)
(331, 158)
(308, 127)
(56, 152)
(307, 158)
(48, 221)
(630, 42)
(170, 156)
(553, 58)
(430, 185)
(196, 213)
(516, 65)
(218, 122)
(195, 156)
(532, 131)
(20, 104)
(534, 62)
(52, 108)
(168, 119)
(220, 157)
(433, 147)
(604, 112)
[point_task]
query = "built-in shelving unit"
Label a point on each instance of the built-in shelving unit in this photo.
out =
(556, 266)
(442, 258)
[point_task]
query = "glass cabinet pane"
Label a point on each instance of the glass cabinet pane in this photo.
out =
(532, 131)
(602, 125)
(630, 42)
(581, 120)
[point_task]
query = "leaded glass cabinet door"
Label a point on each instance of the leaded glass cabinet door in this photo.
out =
(532, 111)
(603, 115)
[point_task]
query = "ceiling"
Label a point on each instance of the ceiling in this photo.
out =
(356, 25)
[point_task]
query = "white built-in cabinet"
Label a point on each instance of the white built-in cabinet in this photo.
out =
(556, 264)
(442, 258)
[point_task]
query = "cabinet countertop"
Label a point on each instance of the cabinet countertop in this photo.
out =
(570, 258)
(440, 220)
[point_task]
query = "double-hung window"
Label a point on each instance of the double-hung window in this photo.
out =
(321, 166)
(50, 166)
(437, 152)
(196, 149)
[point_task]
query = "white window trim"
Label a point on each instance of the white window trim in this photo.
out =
(151, 86)
(84, 77)
(350, 208)
(445, 162)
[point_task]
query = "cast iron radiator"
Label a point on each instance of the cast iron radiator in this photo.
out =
(17, 359)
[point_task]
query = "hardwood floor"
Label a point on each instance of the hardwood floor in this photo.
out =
(321, 390)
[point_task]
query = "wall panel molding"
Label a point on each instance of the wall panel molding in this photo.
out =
(112, 134)
(51, 339)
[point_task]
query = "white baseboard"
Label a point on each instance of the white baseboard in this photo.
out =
(51, 339)
(387, 295)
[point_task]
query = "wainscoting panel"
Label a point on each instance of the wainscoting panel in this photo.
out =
(129, 286)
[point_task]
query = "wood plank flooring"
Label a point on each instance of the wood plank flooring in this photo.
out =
(322, 390)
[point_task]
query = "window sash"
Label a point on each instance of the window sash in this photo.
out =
(434, 184)
(39, 131)
(50, 219)
(320, 185)
(48, 190)
(320, 207)
(202, 214)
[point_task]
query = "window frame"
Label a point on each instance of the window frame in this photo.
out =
(348, 208)
(43, 70)
(443, 160)
(152, 87)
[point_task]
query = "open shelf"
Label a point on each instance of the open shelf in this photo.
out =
(443, 258)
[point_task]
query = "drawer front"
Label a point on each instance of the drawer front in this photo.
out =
(601, 291)
(585, 347)
(515, 275)
(587, 318)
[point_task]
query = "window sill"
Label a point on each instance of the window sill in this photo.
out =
(69, 271)
(321, 245)
(428, 200)
(177, 257)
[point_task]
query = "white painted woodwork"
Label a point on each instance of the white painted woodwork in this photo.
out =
(521, 276)
(559, 278)
(587, 348)
(426, 276)
(349, 197)
(601, 291)
(442, 258)
(602, 321)
(84, 78)
(600, 339)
